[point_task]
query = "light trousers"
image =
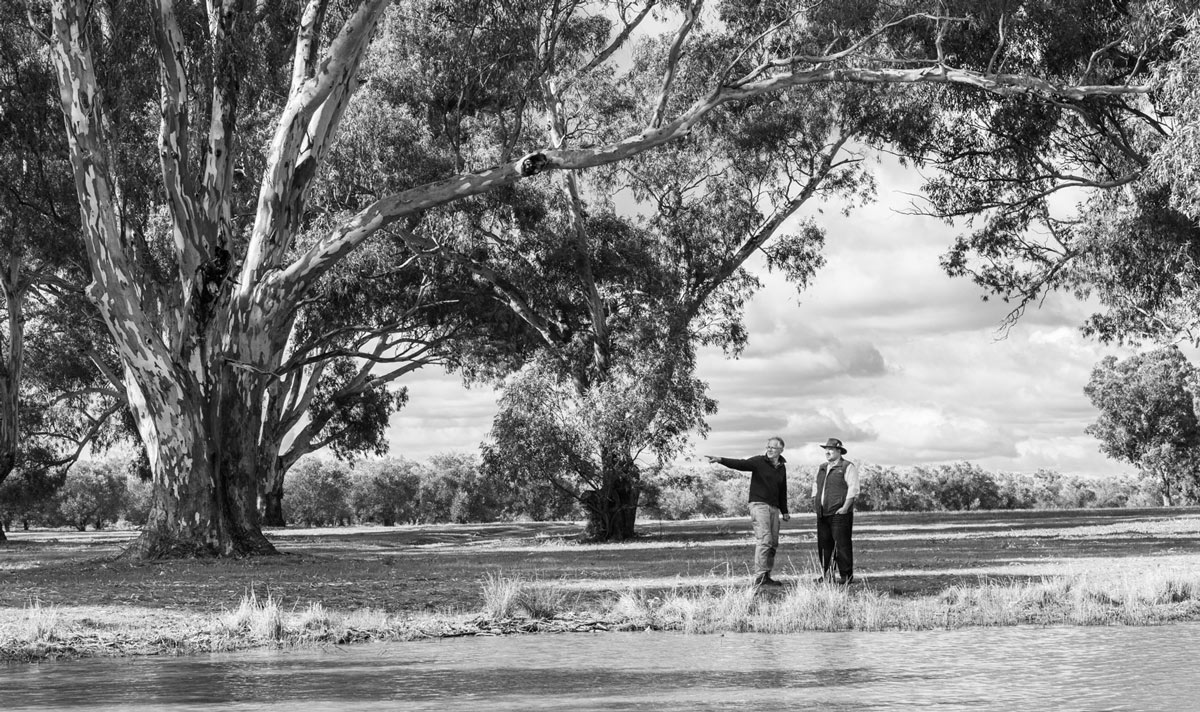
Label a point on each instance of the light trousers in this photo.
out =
(765, 519)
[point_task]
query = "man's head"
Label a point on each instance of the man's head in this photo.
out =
(774, 447)
(833, 449)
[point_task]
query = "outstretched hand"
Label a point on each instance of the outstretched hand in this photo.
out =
(710, 458)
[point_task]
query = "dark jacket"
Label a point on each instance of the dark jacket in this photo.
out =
(768, 483)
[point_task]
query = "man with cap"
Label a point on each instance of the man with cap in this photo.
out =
(768, 504)
(833, 494)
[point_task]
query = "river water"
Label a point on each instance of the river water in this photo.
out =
(1021, 668)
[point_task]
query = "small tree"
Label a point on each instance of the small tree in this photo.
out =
(677, 492)
(964, 486)
(316, 494)
(27, 496)
(472, 497)
(888, 489)
(385, 491)
(1147, 417)
(94, 493)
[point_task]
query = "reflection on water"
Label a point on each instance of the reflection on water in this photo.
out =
(999, 669)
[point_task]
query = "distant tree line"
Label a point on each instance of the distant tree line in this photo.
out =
(321, 492)
(447, 488)
(96, 494)
(683, 492)
(457, 488)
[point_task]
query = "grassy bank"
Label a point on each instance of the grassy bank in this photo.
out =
(63, 596)
(519, 606)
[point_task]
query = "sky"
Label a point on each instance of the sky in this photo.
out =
(884, 351)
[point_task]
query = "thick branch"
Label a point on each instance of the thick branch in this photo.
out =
(306, 124)
(174, 128)
(326, 252)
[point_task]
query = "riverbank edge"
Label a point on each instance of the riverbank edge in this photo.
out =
(39, 634)
(155, 641)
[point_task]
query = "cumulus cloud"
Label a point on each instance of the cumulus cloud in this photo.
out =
(442, 416)
(915, 365)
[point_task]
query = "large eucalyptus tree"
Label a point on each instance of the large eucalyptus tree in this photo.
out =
(202, 320)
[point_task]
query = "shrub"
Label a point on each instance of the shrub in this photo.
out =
(454, 488)
(385, 491)
(963, 486)
(94, 493)
(316, 493)
(733, 498)
(889, 489)
(677, 492)
(27, 496)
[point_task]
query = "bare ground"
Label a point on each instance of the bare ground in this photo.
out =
(416, 569)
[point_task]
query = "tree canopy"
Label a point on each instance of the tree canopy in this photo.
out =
(1148, 418)
(1086, 197)
(202, 278)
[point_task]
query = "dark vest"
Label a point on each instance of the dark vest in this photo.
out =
(831, 480)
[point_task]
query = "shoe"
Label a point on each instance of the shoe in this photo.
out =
(823, 579)
(765, 580)
(848, 580)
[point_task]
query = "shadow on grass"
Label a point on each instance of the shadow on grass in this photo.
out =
(441, 567)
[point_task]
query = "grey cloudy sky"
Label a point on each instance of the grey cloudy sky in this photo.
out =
(884, 351)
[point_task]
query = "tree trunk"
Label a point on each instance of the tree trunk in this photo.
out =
(10, 436)
(272, 506)
(202, 454)
(270, 464)
(10, 380)
(612, 509)
(1167, 500)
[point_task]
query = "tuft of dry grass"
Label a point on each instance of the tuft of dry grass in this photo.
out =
(500, 596)
(36, 624)
(258, 619)
(507, 597)
(261, 621)
(316, 620)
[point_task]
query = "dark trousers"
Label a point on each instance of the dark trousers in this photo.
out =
(833, 542)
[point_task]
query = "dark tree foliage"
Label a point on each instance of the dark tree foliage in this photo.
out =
(56, 396)
(1011, 167)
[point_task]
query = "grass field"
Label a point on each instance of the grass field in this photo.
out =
(63, 594)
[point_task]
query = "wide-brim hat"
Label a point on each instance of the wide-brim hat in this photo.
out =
(834, 444)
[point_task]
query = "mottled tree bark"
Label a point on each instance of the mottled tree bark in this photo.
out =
(198, 352)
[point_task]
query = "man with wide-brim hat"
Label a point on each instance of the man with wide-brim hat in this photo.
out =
(834, 491)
